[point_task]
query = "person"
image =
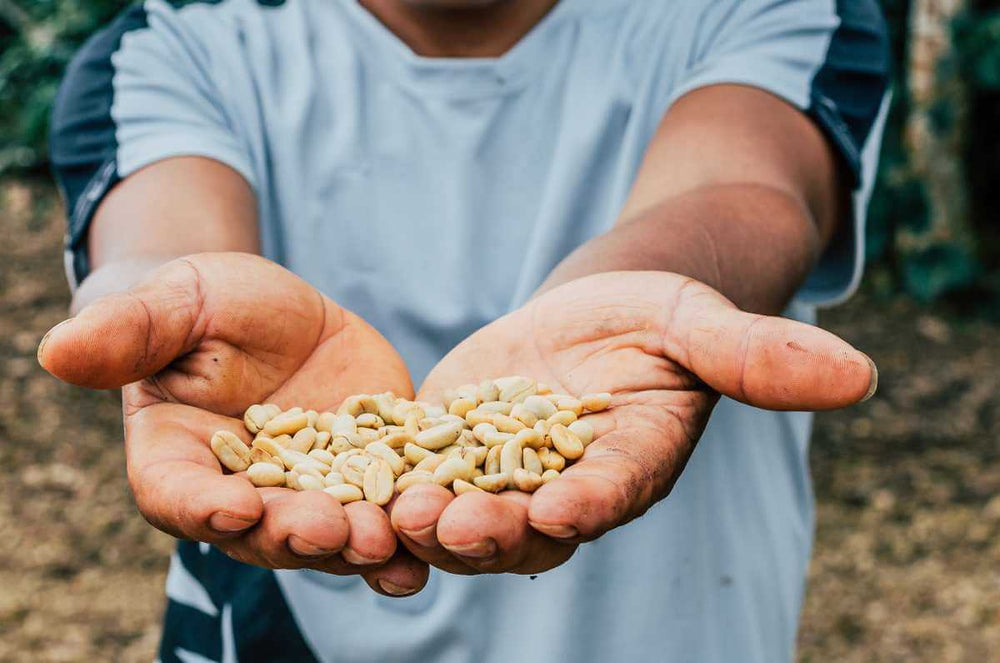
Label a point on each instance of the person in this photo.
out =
(605, 195)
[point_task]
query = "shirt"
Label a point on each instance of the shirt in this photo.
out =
(432, 196)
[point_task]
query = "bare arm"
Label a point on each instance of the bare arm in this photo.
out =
(738, 190)
(203, 331)
(170, 209)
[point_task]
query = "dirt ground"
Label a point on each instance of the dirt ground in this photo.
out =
(907, 558)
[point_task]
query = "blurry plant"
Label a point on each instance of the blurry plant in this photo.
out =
(37, 40)
(932, 222)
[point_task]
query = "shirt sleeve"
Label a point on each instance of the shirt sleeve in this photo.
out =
(830, 59)
(139, 91)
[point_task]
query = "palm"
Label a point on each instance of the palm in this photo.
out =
(665, 347)
(588, 338)
(196, 344)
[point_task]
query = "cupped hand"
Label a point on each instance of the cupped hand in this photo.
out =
(665, 347)
(193, 346)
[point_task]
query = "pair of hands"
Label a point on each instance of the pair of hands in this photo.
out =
(205, 336)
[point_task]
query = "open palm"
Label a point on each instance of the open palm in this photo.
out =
(194, 345)
(665, 347)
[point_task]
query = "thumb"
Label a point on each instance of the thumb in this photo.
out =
(128, 336)
(770, 362)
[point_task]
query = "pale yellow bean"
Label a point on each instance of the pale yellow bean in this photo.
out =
(333, 479)
(451, 469)
(286, 423)
(360, 404)
(582, 430)
(563, 417)
(386, 454)
(303, 440)
(345, 493)
(439, 436)
(492, 463)
(266, 474)
(413, 478)
(429, 464)
(524, 415)
(551, 460)
(309, 482)
(460, 486)
(530, 461)
(461, 407)
(566, 442)
(516, 388)
(526, 481)
(510, 457)
(487, 392)
(596, 402)
(492, 483)
(506, 424)
(570, 404)
(540, 406)
(369, 420)
(379, 481)
(231, 451)
(529, 437)
(549, 475)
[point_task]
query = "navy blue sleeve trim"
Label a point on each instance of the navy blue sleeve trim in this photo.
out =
(263, 629)
(848, 89)
(82, 142)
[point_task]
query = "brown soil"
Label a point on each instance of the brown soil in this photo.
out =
(908, 487)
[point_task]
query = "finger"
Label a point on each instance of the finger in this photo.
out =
(491, 534)
(620, 476)
(403, 575)
(124, 337)
(372, 540)
(767, 362)
(297, 530)
(176, 480)
(414, 516)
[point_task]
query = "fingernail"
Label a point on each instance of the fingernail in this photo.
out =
(873, 384)
(45, 339)
(477, 550)
(228, 523)
(425, 537)
(352, 557)
(304, 548)
(556, 531)
(394, 589)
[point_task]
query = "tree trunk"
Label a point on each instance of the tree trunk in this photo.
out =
(936, 129)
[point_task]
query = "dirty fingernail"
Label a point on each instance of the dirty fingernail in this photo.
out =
(352, 557)
(304, 548)
(556, 531)
(394, 589)
(45, 339)
(426, 537)
(477, 550)
(228, 523)
(873, 384)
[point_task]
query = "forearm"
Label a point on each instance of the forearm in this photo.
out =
(752, 243)
(168, 210)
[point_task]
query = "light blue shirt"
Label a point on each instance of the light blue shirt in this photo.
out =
(432, 196)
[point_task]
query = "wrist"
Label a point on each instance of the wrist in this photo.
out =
(753, 244)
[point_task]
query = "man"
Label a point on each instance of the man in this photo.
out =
(552, 189)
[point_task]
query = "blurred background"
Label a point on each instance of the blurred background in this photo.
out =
(907, 558)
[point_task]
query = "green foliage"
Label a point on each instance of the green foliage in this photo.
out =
(977, 40)
(38, 38)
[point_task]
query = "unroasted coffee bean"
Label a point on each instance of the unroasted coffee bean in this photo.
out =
(507, 433)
